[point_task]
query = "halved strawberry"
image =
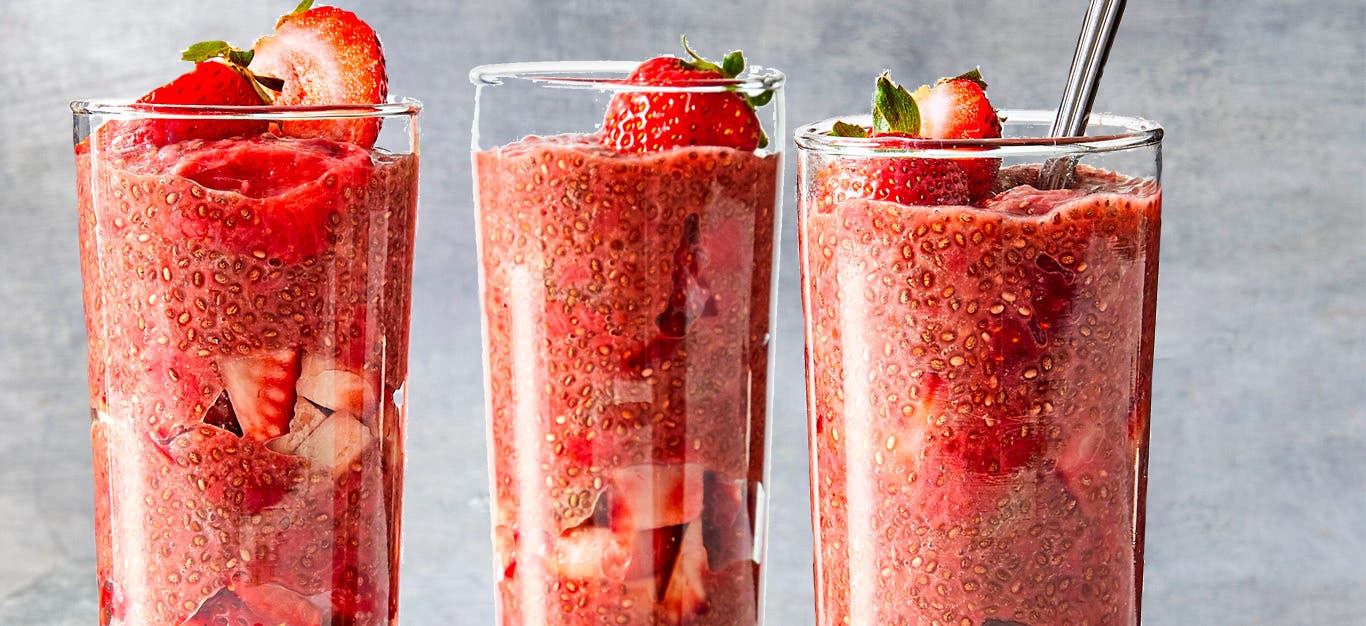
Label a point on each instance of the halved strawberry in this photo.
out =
(261, 389)
(654, 121)
(957, 108)
(325, 56)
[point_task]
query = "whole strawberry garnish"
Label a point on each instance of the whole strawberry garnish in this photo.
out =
(213, 81)
(904, 180)
(957, 108)
(653, 121)
(325, 56)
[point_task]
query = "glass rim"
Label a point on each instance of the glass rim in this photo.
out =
(393, 107)
(1135, 132)
(611, 75)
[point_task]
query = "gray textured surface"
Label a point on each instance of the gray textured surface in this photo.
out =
(1257, 510)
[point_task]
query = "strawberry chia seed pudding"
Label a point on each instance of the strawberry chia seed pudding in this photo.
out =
(247, 445)
(247, 285)
(978, 389)
(627, 309)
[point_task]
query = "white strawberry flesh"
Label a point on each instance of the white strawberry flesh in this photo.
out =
(646, 496)
(590, 552)
(336, 443)
(307, 417)
(332, 386)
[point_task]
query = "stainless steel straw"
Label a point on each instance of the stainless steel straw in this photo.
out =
(1093, 48)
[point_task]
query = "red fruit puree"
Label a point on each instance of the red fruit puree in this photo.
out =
(247, 303)
(626, 301)
(979, 404)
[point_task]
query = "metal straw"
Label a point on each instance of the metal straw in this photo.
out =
(1093, 48)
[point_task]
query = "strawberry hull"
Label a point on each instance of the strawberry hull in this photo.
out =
(979, 384)
(228, 488)
(627, 307)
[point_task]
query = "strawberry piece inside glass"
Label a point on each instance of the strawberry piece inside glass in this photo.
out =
(626, 297)
(979, 401)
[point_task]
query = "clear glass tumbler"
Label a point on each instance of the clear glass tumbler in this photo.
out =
(247, 298)
(979, 377)
(627, 306)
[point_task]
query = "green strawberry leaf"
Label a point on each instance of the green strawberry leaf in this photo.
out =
(303, 6)
(843, 129)
(974, 75)
(763, 139)
(894, 110)
(760, 100)
(241, 57)
(205, 50)
(733, 64)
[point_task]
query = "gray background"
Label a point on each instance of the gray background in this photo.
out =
(1257, 510)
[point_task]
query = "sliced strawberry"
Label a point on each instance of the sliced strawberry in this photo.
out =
(641, 497)
(335, 444)
(334, 386)
(261, 389)
(957, 108)
(686, 595)
(590, 552)
(307, 418)
(654, 121)
(325, 56)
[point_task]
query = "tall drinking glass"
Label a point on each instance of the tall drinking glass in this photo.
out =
(247, 301)
(979, 379)
(627, 303)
